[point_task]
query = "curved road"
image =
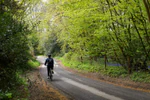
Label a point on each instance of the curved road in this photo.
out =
(81, 88)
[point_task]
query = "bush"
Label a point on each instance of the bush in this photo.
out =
(141, 77)
(114, 71)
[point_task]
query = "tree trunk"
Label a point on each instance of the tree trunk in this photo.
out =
(147, 6)
(105, 61)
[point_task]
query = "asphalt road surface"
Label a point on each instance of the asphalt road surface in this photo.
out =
(81, 88)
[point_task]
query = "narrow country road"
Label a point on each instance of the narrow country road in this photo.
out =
(81, 88)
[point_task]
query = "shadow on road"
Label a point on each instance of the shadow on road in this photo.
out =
(55, 80)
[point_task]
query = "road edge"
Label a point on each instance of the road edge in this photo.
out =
(122, 83)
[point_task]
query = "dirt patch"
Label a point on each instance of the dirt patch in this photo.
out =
(40, 89)
(126, 82)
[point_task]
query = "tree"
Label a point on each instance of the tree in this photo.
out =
(116, 29)
(14, 49)
(147, 6)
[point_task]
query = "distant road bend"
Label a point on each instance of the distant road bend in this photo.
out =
(82, 88)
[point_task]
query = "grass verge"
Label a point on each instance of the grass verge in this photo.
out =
(111, 71)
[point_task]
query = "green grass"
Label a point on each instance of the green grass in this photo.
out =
(33, 63)
(112, 71)
(141, 77)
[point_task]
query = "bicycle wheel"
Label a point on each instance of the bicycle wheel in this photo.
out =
(50, 75)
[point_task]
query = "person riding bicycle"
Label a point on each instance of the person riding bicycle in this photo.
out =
(50, 64)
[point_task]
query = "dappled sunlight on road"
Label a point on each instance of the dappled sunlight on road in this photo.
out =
(43, 66)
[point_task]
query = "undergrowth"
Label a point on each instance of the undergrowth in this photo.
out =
(17, 89)
(111, 71)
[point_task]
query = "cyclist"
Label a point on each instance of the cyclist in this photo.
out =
(50, 64)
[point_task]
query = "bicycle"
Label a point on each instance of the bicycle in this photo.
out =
(50, 74)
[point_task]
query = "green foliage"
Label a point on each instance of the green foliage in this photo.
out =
(141, 77)
(85, 30)
(33, 43)
(14, 45)
(116, 29)
(16, 91)
(33, 63)
(6, 96)
(114, 71)
(73, 61)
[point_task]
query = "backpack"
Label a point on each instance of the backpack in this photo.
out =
(49, 60)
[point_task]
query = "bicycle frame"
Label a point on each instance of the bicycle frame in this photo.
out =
(50, 74)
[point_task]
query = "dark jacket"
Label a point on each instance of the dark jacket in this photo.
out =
(49, 62)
